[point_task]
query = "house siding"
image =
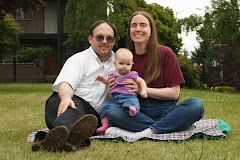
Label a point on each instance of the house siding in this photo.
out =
(40, 31)
(24, 73)
(33, 26)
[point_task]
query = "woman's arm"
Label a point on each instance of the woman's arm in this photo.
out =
(168, 93)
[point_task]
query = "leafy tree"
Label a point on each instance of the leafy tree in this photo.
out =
(9, 32)
(119, 13)
(163, 17)
(219, 37)
(204, 54)
(10, 6)
(80, 15)
(165, 23)
(35, 55)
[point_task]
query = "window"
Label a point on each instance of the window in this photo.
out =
(24, 14)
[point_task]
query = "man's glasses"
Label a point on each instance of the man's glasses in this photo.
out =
(100, 38)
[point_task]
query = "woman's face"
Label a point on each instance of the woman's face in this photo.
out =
(140, 29)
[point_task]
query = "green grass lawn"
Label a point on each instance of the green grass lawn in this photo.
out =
(22, 112)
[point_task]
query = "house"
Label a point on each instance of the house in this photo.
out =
(40, 28)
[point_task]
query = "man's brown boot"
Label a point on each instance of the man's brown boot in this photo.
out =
(80, 131)
(54, 140)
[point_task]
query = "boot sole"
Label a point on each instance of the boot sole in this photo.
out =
(54, 140)
(80, 131)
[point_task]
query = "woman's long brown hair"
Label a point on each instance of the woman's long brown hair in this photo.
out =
(153, 69)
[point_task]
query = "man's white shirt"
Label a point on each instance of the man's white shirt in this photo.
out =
(80, 71)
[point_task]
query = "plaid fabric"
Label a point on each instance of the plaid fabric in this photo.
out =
(31, 136)
(209, 128)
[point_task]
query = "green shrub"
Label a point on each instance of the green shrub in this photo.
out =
(191, 73)
(225, 89)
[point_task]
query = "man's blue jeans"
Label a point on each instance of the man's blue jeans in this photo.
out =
(161, 116)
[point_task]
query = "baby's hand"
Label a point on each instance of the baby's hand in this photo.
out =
(99, 78)
(143, 94)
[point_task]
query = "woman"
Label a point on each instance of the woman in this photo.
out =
(158, 66)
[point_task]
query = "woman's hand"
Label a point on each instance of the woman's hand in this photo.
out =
(111, 82)
(133, 85)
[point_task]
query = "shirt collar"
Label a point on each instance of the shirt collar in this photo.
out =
(95, 56)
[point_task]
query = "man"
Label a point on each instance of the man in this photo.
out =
(71, 112)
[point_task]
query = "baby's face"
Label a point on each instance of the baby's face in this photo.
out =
(123, 63)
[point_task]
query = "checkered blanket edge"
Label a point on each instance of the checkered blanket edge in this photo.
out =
(209, 127)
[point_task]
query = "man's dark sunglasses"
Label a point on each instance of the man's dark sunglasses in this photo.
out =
(100, 38)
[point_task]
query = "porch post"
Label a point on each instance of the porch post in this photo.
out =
(14, 66)
(59, 34)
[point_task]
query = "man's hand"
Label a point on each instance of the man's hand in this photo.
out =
(64, 104)
(65, 93)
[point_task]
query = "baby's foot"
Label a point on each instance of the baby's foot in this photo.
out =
(102, 129)
(132, 111)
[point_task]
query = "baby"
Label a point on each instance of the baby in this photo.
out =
(120, 95)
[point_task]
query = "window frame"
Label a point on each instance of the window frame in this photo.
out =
(24, 15)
